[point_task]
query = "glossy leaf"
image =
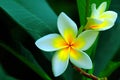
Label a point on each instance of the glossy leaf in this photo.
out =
(82, 6)
(35, 17)
(110, 68)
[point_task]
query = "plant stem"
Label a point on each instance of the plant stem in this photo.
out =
(86, 74)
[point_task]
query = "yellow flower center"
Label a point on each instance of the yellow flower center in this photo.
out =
(70, 45)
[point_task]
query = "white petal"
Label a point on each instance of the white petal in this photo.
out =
(95, 13)
(91, 22)
(86, 39)
(81, 59)
(50, 42)
(66, 26)
(60, 62)
(111, 15)
(106, 24)
(102, 7)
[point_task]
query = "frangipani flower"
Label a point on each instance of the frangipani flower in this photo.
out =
(68, 46)
(100, 19)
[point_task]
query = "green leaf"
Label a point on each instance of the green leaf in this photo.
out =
(71, 73)
(28, 55)
(82, 11)
(4, 76)
(109, 69)
(34, 16)
(30, 64)
(17, 39)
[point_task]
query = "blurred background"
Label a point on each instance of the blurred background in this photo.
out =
(16, 41)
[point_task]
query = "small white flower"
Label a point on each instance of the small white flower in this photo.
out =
(100, 19)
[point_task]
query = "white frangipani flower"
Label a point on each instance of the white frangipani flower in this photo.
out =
(69, 45)
(100, 19)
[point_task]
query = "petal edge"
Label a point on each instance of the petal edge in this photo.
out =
(50, 42)
(59, 62)
(67, 27)
(81, 60)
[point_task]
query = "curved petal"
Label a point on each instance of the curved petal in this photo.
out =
(85, 39)
(111, 15)
(67, 27)
(80, 59)
(92, 22)
(106, 21)
(60, 62)
(102, 7)
(50, 42)
(106, 24)
(95, 13)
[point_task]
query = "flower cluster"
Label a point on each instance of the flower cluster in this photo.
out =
(69, 45)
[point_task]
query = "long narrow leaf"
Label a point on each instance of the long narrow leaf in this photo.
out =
(25, 16)
(111, 67)
(35, 68)
(4, 76)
